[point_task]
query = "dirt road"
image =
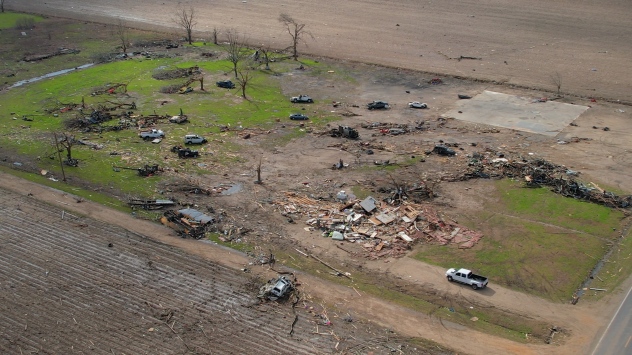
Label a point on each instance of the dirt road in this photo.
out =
(523, 43)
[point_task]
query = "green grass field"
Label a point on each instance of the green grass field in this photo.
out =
(11, 19)
(535, 241)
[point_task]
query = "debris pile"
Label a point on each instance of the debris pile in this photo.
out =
(188, 222)
(147, 170)
(383, 229)
(148, 204)
(539, 172)
(111, 89)
(38, 57)
(176, 73)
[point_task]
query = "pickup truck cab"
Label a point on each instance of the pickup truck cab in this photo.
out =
(301, 99)
(466, 277)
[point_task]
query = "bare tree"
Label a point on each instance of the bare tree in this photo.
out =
(1, 5)
(235, 48)
(215, 33)
(244, 78)
(186, 20)
(266, 56)
(296, 30)
(556, 79)
(67, 141)
(122, 34)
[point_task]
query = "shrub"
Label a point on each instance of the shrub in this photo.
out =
(25, 23)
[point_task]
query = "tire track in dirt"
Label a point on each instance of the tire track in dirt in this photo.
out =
(104, 291)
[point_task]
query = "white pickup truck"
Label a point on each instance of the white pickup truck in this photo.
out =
(301, 99)
(466, 277)
(151, 134)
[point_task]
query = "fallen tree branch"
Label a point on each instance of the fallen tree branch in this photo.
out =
(331, 267)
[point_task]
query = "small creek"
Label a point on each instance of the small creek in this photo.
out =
(50, 75)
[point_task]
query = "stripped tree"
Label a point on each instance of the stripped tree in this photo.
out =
(186, 20)
(243, 78)
(296, 30)
(122, 34)
(235, 47)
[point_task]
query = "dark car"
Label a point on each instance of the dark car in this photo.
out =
(443, 150)
(226, 84)
(188, 153)
(376, 105)
(298, 116)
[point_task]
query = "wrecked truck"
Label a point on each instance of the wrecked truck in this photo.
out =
(345, 132)
(276, 289)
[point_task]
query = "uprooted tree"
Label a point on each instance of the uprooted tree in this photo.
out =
(186, 20)
(297, 32)
(236, 49)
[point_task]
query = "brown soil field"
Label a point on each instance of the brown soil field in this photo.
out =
(519, 43)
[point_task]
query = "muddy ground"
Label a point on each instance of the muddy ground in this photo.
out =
(74, 285)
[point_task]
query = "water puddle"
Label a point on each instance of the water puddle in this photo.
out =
(50, 75)
(235, 188)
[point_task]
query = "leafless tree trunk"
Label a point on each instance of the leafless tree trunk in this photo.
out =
(122, 33)
(243, 78)
(235, 48)
(186, 20)
(1, 5)
(266, 52)
(67, 142)
(556, 78)
(215, 33)
(259, 181)
(296, 30)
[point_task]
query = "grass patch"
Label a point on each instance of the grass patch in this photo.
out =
(12, 19)
(535, 241)
(243, 247)
(616, 269)
(207, 110)
(87, 194)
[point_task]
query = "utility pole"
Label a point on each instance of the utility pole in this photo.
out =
(61, 164)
